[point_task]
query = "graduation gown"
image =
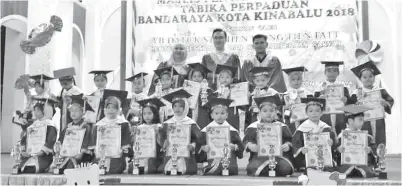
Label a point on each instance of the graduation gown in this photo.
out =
(101, 113)
(302, 93)
(340, 120)
(185, 165)
(133, 119)
(379, 134)
(211, 60)
(214, 166)
(276, 80)
(183, 74)
(253, 111)
(40, 164)
(114, 165)
(74, 90)
(298, 141)
(365, 171)
(86, 157)
(258, 166)
(201, 114)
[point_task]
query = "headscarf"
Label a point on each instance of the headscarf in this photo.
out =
(179, 66)
(183, 119)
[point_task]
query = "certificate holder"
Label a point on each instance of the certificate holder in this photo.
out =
(355, 143)
(179, 137)
(319, 151)
(36, 138)
(108, 145)
(218, 139)
(269, 140)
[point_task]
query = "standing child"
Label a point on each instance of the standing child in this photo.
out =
(40, 161)
(100, 80)
(113, 117)
(138, 84)
(355, 119)
(180, 107)
(219, 115)
(258, 166)
(314, 110)
(366, 73)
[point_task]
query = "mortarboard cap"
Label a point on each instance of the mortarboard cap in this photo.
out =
(152, 102)
(365, 66)
(167, 70)
(314, 100)
(218, 102)
(77, 99)
(135, 76)
(199, 67)
(65, 73)
(353, 109)
(295, 69)
(332, 64)
(275, 99)
(120, 94)
(259, 71)
(45, 100)
(232, 69)
(100, 72)
(41, 76)
(181, 93)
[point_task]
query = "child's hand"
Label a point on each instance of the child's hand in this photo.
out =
(252, 147)
(383, 102)
(344, 99)
(368, 150)
(166, 144)
(40, 153)
(304, 150)
(234, 147)
(25, 154)
(205, 148)
(341, 149)
(125, 150)
(78, 156)
(285, 147)
(190, 147)
(330, 142)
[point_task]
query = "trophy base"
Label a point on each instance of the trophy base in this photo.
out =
(173, 172)
(138, 170)
(102, 171)
(57, 171)
(383, 176)
(16, 170)
(271, 173)
(225, 172)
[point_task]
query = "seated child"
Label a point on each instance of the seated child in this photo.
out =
(355, 119)
(219, 115)
(258, 166)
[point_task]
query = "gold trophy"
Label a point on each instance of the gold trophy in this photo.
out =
(16, 154)
(173, 171)
(136, 162)
(272, 161)
(102, 160)
(382, 161)
(320, 158)
(204, 92)
(57, 159)
(225, 160)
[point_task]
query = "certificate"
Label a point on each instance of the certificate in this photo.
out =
(298, 112)
(333, 98)
(109, 137)
(94, 102)
(372, 99)
(269, 139)
(72, 142)
(145, 138)
(355, 143)
(193, 88)
(36, 138)
(217, 138)
(239, 94)
(316, 142)
(179, 135)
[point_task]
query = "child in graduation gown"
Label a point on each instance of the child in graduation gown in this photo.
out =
(258, 166)
(39, 162)
(42, 91)
(180, 106)
(138, 84)
(150, 117)
(336, 121)
(113, 118)
(219, 115)
(366, 73)
(355, 119)
(294, 93)
(77, 110)
(314, 110)
(100, 80)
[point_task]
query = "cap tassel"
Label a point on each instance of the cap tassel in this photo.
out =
(85, 105)
(213, 77)
(41, 79)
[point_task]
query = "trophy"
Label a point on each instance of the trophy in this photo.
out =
(174, 169)
(256, 95)
(159, 90)
(102, 160)
(224, 92)
(57, 160)
(136, 161)
(204, 92)
(271, 161)
(320, 158)
(382, 161)
(16, 154)
(225, 160)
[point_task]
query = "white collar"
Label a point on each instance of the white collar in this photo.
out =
(184, 121)
(309, 126)
(255, 124)
(107, 121)
(214, 124)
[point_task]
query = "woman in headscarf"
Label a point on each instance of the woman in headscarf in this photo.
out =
(178, 62)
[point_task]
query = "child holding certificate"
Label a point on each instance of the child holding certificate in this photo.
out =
(314, 110)
(138, 84)
(366, 73)
(352, 164)
(259, 162)
(335, 120)
(77, 110)
(218, 164)
(111, 135)
(39, 141)
(179, 136)
(100, 80)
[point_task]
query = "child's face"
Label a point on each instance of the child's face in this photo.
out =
(38, 113)
(138, 85)
(356, 123)
(197, 76)
(111, 111)
(314, 113)
(39, 89)
(219, 115)
(148, 115)
(296, 80)
(332, 74)
(261, 81)
(225, 78)
(367, 78)
(100, 82)
(166, 81)
(178, 109)
(268, 113)
(76, 112)
(66, 83)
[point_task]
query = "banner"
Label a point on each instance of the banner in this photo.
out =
(300, 32)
